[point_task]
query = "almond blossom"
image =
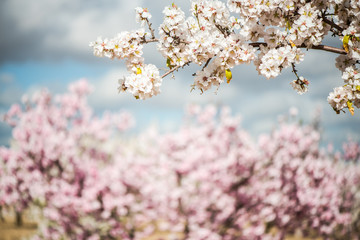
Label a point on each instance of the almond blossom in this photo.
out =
(241, 31)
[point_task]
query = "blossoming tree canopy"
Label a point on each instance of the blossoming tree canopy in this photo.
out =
(209, 179)
(217, 36)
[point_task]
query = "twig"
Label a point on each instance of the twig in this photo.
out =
(294, 70)
(222, 30)
(149, 40)
(207, 63)
(151, 29)
(173, 69)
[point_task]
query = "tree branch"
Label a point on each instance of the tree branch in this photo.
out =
(326, 48)
(222, 30)
(151, 29)
(332, 24)
(258, 44)
(149, 40)
(173, 69)
(207, 63)
(294, 70)
(318, 47)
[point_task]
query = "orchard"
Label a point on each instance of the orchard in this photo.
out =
(207, 180)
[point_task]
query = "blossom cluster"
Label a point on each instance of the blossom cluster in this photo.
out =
(125, 45)
(142, 15)
(273, 60)
(144, 83)
(347, 96)
(300, 85)
(219, 36)
(144, 80)
(207, 180)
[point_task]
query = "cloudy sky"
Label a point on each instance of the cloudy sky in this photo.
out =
(44, 44)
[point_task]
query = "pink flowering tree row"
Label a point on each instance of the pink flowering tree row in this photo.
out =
(220, 35)
(207, 180)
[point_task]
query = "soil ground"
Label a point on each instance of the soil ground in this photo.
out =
(9, 231)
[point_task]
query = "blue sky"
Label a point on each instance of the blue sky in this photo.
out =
(44, 44)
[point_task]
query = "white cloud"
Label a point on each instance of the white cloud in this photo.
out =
(11, 95)
(6, 78)
(64, 27)
(105, 93)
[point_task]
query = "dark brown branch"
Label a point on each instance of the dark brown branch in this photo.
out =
(258, 44)
(222, 30)
(294, 70)
(207, 63)
(332, 24)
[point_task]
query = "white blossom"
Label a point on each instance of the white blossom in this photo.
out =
(142, 15)
(300, 85)
(218, 36)
(144, 83)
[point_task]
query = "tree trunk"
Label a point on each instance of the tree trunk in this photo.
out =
(1, 214)
(19, 219)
